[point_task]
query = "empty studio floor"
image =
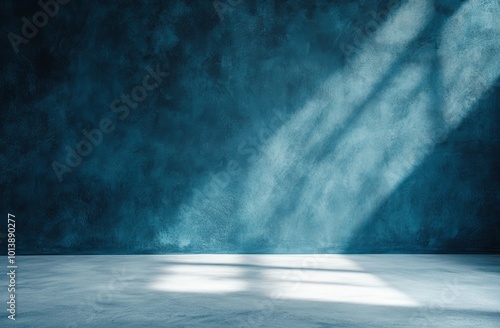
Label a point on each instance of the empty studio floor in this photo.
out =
(259, 291)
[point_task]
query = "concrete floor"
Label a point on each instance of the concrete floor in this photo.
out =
(258, 291)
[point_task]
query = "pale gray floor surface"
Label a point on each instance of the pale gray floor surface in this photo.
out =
(257, 291)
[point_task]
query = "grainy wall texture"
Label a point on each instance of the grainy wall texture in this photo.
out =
(251, 126)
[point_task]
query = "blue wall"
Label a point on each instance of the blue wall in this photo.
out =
(301, 126)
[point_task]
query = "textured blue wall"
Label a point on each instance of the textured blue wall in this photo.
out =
(300, 126)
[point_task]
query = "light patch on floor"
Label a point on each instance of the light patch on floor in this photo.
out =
(250, 291)
(334, 283)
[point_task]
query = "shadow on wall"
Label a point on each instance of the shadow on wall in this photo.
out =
(356, 125)
(450, 203)
(366, 129)
(226, 77)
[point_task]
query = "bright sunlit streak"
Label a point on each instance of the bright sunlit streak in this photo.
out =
(200, 279)
(325, 171)
(332, 278)
(343, 167)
